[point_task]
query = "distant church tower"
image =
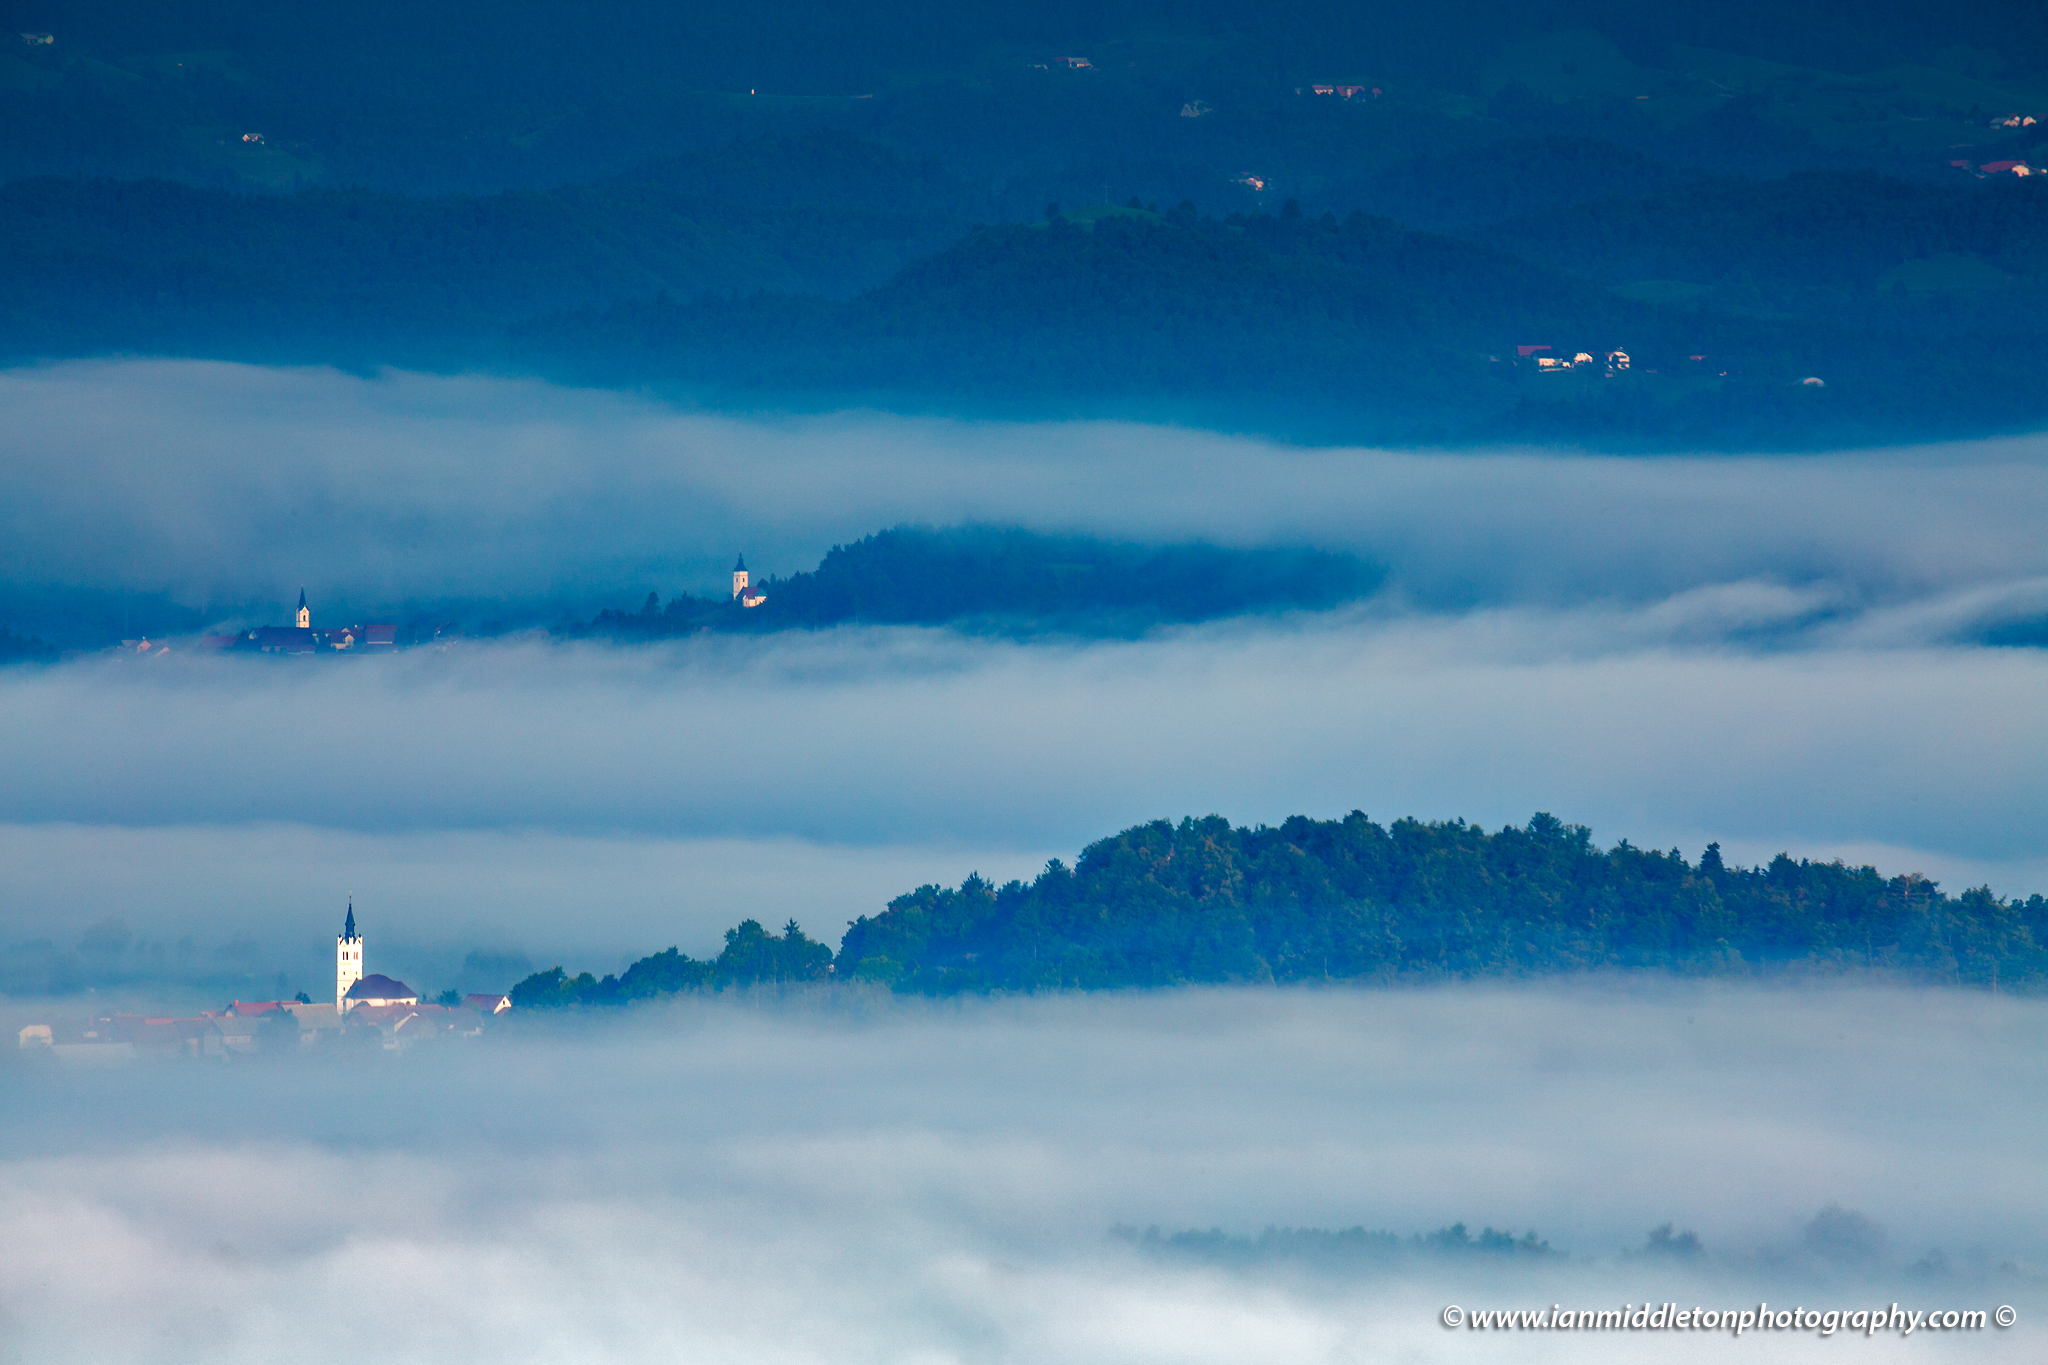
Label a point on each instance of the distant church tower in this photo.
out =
(348, 954)
(741, 593)
(305, 615)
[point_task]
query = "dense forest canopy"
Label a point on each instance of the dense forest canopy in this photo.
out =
(1350, 900)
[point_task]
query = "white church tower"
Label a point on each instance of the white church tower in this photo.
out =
(348, 961)
(305, 613)
(739, 578)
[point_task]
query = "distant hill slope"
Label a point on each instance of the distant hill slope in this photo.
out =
(1351, 900)
(1817, 244)
(1918, 306)
(1361, 314)
(819, 170)
(155, 265)
(446, 95)
(1357, 330)
(1540, 178)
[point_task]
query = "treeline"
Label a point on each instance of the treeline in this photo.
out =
(1006, 576)
(16, 649)
(752, 957)
(1350, 1247)
(1351, 900)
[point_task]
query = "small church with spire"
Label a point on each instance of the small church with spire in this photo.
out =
(741, 593)
(301, 638)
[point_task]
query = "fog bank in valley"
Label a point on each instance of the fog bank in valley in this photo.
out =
(1772, 653)
(235, 484)
(533, 803)
(885, 1182)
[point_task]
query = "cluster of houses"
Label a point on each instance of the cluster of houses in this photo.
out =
(370, 1010)
(1543, 360)
(1547, 360)
(1991, 168)
(251, 1027)
(301, 637)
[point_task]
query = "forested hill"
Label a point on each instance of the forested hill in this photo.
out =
(1009, 578)
(1361, 328)
(1351, 900)
(846, 274)
(1352, 328)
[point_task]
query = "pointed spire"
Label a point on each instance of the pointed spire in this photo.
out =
(349, 930)
(740, 567)
(302, 599)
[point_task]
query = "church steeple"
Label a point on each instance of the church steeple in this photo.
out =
(739, 577)
(348, 959)
(305, 615)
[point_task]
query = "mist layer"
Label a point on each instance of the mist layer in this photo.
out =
(783, 1184)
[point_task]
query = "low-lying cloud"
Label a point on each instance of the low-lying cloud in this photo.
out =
(1774, 653)
(720, 1182)
(233, 484)
(536, 803)
(907, 736)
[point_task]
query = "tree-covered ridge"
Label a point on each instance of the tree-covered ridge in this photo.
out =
(1348, 899)
(922, 575)
(1204, 901)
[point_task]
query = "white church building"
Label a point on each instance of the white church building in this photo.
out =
(351, 986)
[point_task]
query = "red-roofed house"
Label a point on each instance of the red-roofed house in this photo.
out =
(487, 1004)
